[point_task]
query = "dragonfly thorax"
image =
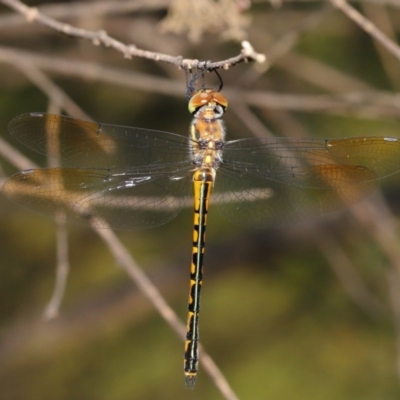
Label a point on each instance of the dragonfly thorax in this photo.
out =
(208, 136)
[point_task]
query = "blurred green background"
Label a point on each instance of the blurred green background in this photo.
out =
(280, 312)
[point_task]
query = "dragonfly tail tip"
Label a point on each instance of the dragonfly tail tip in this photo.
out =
(190, 381)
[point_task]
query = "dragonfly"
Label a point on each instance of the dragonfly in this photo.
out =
(135, 178)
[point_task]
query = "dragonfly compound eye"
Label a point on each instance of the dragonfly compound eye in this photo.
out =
(220, 99)
(205, 97)
(200, 99)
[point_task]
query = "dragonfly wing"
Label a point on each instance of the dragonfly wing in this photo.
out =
(80, 143)
(277, 181)
(122, 200)
(281, 158)
(249, 199)
(380, 154)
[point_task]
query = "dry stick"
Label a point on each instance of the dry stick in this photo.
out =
(335, 254)
(368, 26)
(53, 92)
(62, 266)
(394, 294)
(289, 40)
(337, 258)
(93, 71)
(22, 162)
(249, 119)
(129, 51)
(59, 99)
(344, 269)
(98, 8)
(372, 103)
(380, 17)
(376, 103)
(14, 157)
(384, 229)
(126, 261)
(122, 254)
(62, 271)
(394, 3)
(310, 70)
(31, 13)
(123, 258)
(321, 75)
(381, 225)
(284, 44)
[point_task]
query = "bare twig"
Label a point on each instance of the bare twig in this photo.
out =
(382, 227)
(351, 281)
(393, 281)
(368, 26)
(79, 9)
(320, 74)
(285, 44)
(365, 104)
(14, 157)
(126, 261)
(53, 91)
(393, 3)
(93, 71)
(32, 14)
(249, 119)
(116, 248)
(62, 270)
(380, 17)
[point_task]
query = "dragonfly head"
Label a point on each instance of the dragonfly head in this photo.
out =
(208, 98)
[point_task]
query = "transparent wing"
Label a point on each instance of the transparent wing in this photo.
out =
(80, 143)
(124, 200)
(274, 181)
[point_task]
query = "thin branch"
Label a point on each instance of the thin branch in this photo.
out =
(94, 71)
(393, 3)
(62, 271)
(368, 26)
(364, 104)
(62, 267)
(249, 119)
(380, 16)
(57, 96)
(15, 157)
(32, 14)
(321, 75)
(382, 226)
(284, 44)
(393, 282)
(93, 9)
(351, 281)
(367, 105)
(126, 261)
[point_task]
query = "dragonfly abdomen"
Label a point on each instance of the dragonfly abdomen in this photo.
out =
(203, 181)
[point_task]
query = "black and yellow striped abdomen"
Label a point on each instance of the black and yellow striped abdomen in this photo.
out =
(202, 181)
